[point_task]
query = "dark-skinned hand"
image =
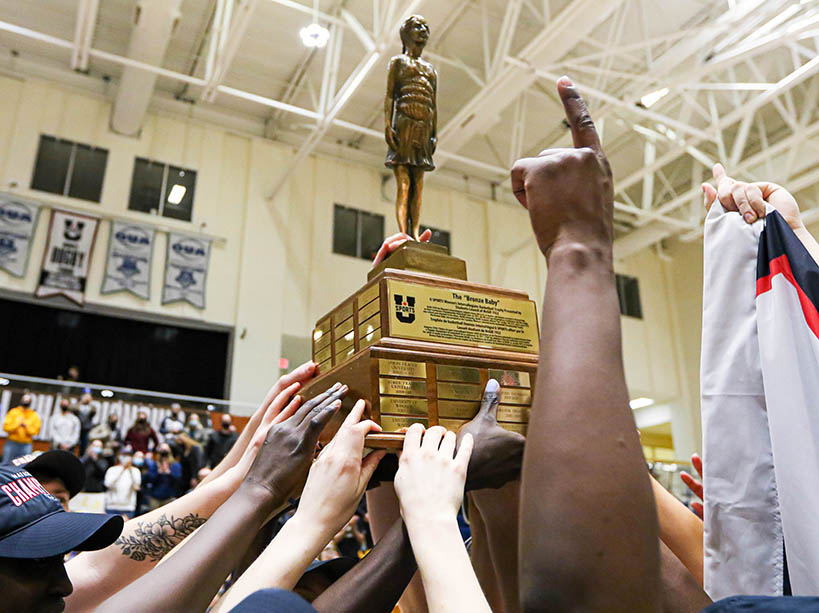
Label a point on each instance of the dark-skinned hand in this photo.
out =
(497, 454)
(284, 459)
(569, 192)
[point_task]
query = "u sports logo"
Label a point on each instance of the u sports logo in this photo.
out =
(14, 213)
(72, 229)
(132, 236)
(190, 248)
(404, 308)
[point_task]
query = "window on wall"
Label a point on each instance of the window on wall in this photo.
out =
(358, 234)
(162, 189)
(628, 291)
(69, 169)
(439, 237)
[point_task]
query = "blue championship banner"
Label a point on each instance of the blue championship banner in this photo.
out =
(18, 221)
(128, 263)
(67, 256)
(186, 269)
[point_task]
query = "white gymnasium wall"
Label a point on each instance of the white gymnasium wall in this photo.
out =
(274, 273)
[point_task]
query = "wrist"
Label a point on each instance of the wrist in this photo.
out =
(260, 495)
(429, 522)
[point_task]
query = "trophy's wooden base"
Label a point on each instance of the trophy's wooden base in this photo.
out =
(420, 348)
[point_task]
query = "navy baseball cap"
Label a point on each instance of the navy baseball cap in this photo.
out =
(57, 463)
(33, 524)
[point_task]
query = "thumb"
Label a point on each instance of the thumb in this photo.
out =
(709, 195)
(369, 464)
(719, 172)
(491, 400)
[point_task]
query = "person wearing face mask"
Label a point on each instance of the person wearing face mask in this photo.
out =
(141, 434)
(86, 412)
(64, 428)
(122, 482)
(22, 424)
(220, 441)
(164, 477)
(107, 431)
(196, 430)
(95, 467)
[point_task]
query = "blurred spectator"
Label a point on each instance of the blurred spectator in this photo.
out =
(141, 433)
(164, 477)
(107, 431)
(122, 482)
(142, 495)
(176, 415)
(73, 374)
(203, 472)
(86, 412)
(95, 467)
(196, 430)
(22, 424)
(192, 459)
(220, 441)
(110, 452)
(350, 541)
(64, 430)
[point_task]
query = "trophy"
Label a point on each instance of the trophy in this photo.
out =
(418, 341)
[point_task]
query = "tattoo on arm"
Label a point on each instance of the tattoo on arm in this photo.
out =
(152, 540)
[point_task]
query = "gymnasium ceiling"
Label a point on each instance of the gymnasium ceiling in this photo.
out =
(739, 78)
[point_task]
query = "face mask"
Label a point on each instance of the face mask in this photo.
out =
(142, 420)
(26, 403)
(138, 461)
(124, 459)
(96, 449)
(112, 423)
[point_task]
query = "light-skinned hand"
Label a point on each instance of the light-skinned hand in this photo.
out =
(392, 243)
(749, 199)
(339, 476)
(695, 485)
(430, 478)
(569, 192)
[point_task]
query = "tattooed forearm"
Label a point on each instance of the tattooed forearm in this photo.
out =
(152, 540)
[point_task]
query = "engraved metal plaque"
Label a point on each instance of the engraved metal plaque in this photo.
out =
(344, 327)
(519, 428)
(323, 327)
(344, 312)
(510, 378)
(369, 310)
(458, 410)
(345, 355)
(321, 341)
(324, 354)
(513, 413)
(365, 327)
(452, 424)
(404, 406)
(402, 368)
(368, 295)
(391, 423)
(428, 313)
(462, 374)
(402, 387)
(344, 342)
(369, 339)
(459, 391)
(515, 396)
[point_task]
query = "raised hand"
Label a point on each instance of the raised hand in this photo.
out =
(569, 192)
(430, 478)
(695, 485)
(392, 243)
(497, 454)
(338, 478)
(749, 199)
(282, 463)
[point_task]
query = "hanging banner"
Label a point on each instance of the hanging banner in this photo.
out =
(186, 269)
(67, 256)
(18, 221)
(128, 263)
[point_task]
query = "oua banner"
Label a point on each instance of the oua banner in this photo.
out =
(129, 259)
(186, 269)
(18, 222)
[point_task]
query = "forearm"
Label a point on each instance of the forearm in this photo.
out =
(680, 591)
(680, 530)
(376, 583)
(189, 579)
(809, 242)
(282, 563)
(97, 575)
(449, 581)
(579, 553)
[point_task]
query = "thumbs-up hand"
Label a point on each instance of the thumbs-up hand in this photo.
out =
(569, 192)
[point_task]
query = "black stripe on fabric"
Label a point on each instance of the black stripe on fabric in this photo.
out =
(778, 239)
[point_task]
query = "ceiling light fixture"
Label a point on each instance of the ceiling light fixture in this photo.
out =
(177, 193)
(315, 35)
(654, 97)
(106, 393)
(641, 403)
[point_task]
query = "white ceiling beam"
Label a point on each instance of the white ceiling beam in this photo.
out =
(506, 36)
(84, 33)
(236, 20)
(561, 35)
